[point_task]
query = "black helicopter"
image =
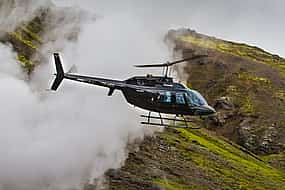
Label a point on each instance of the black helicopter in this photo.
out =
(153, 93)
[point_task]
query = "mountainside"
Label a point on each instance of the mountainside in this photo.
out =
(248, 79)
(241, 147)
(192, 159)
(246, 86)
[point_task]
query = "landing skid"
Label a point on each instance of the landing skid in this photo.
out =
(165, 118)
(162, 124)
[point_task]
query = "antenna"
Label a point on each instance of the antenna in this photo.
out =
(166, 71)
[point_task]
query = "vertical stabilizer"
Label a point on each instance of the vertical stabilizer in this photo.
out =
(59, 72)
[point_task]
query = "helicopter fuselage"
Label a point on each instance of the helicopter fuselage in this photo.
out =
(162, 95)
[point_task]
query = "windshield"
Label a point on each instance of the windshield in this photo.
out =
(196, 98)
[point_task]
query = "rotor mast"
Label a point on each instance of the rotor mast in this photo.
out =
(166, 71)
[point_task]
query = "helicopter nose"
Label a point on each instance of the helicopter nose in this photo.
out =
(209, 109)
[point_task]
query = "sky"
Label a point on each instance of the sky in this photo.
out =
(257, 22)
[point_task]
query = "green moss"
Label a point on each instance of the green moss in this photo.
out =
(237, 49)
(171, 185)
(182, 159)
(32, 34)
(232, 89)
(274, 156)
(26, 63)
(26, 39)
(237, 169)
(280, 94)
(248, 77)
(277, 160)
(26, 42)
(247, 106)
(214, 145)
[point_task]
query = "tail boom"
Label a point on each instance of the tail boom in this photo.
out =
(60, 75)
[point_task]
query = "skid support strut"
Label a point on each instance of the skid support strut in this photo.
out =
(149, 117)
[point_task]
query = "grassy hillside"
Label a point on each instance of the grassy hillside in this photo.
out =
(192, 159)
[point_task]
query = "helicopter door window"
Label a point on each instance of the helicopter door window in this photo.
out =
(165, 97)
(180, 98)
(188, 99)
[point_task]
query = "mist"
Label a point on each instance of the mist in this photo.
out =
(60, 140)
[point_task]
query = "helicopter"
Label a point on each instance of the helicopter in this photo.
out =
(158, 94)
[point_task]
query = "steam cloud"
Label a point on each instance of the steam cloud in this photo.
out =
(56, 140)
(60, 140)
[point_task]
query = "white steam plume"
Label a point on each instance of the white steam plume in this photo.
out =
(59, 140)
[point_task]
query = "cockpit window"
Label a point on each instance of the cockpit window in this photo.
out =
(196, 98)
(180, 98)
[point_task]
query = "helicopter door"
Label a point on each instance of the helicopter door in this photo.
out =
(165, 97)
(180, 99)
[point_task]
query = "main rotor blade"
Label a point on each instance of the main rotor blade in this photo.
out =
(187, 59)
(167, 64)
(152, 65)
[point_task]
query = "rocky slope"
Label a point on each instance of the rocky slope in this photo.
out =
(192, 159)
(247, 86)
